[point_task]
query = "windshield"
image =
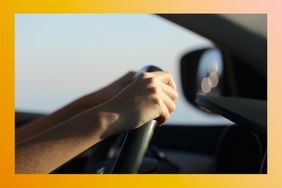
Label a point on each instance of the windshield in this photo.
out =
(60, 57)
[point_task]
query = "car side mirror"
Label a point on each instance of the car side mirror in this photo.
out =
(203, 72)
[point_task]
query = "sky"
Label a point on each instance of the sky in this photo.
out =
(60, 57)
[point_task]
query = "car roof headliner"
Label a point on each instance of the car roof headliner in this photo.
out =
(243, 35)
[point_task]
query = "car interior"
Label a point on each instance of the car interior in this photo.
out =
(229, 80)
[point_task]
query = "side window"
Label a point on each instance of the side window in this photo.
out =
(60, 57)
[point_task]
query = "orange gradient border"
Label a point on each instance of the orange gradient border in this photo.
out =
(8, 9)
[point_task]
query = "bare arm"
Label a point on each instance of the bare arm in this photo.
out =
(72, 109)
(151, 96)
(48, 150)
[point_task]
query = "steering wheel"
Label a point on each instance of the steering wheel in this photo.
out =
(136, 142)
(132, 151)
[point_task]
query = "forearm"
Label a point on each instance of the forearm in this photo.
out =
(63, 114)
(150, 96)
(76, 107)
(48, 150)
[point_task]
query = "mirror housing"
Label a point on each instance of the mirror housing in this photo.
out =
(205, 72)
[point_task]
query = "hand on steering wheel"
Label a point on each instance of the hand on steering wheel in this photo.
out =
(150, 96)
(159, 94)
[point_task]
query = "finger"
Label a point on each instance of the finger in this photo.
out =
(164, 116)
(165, 77)
(169, 91)
(169, 103)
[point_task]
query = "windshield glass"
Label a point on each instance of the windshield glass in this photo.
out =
(60, 57)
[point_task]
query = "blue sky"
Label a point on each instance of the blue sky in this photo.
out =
(60, 57)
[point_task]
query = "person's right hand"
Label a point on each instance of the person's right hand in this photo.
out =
(150, 96)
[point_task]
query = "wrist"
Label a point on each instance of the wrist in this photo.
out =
(102, 121)
(119, 117)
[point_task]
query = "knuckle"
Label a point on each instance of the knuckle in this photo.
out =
(168, 74)
(151, 80)
(144, 75)
(154, 90)
(156, 100)
(174, 97)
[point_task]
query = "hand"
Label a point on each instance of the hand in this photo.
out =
(150, 96)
